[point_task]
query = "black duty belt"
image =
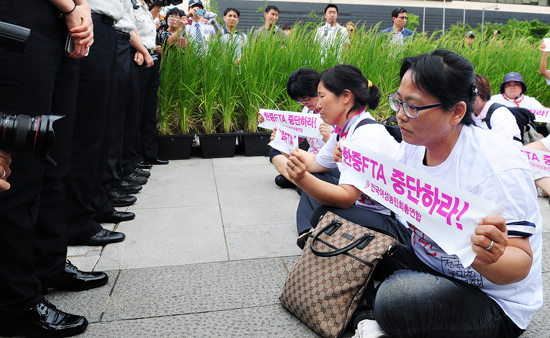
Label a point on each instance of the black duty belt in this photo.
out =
(104, 18)
(122, 35)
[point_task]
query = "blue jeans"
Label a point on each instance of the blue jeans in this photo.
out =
(416, 301)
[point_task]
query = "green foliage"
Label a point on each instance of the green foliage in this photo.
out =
(412, 22)
(215, 93)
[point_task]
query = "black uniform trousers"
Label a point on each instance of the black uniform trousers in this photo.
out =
(92, 134)
(32, 237)
(111, 177)
(131, 126)
(145, 145)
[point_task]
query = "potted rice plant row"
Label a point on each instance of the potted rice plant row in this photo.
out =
(214, 95)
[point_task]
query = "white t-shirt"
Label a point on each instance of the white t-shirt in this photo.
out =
(484, 165)
(315, 144)
(524, 102)
(371, 136)
(546, 142)
(503, 123)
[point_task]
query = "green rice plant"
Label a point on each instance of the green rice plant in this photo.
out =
(169, 76)
(214, 93)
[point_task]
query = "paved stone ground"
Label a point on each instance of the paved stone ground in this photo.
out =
(206, 256)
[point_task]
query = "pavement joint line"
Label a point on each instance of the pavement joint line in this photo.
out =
(185, 314)
(284, 265)
(109, 296)
(221, 212)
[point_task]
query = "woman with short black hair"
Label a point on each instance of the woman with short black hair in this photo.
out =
(421, 294)
(345, 94)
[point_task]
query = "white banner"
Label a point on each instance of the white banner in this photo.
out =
(538, 158)
(541, 115)
(445, 213)
(304, 124)
(286, 140)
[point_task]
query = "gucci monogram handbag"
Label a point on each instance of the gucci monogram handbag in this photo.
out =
(327, 282)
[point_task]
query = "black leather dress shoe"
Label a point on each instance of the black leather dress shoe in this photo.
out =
(72, 279)
(103, 237)
(119, 216)
(142, 172)
(43, 320)
(135, 179)
(159, 161)
(282, 182)
(129, 188)
(144, 165)
(119, 199)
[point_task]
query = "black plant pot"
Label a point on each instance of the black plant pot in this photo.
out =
(217, 145)
(174, 147)
(255, 144)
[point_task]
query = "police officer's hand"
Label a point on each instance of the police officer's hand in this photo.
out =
(81, 27)
(138, 58)
(5, 161)
(148, 60)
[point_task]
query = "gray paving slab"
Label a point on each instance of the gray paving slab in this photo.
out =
(546, 253)
(262, 321)
(545, 212)
(196, 288)
(181, 183)
(261, 240)
(168, 236)
(248, 183)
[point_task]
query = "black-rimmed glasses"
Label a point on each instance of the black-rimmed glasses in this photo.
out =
(304, 101)
(411, 110)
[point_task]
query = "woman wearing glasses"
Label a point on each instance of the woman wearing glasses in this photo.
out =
(421, 294)
(344, 97)
(301, 87)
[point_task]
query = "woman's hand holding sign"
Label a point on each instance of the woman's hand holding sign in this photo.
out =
(296, 165)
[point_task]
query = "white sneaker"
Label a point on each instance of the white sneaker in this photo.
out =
(369, 329)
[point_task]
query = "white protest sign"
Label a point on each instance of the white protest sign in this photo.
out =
(537, 158)
(286, 140)
(304, 124)
(541, 115)
(447, 214)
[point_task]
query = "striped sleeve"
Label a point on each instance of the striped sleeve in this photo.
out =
(520, 229)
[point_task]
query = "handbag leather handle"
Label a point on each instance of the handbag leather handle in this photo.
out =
(363, 239)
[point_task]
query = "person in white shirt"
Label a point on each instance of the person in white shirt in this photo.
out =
(426, 291)
(231, 38)
(198, 31)
(512, 92)
(502, 121)
(331, 36)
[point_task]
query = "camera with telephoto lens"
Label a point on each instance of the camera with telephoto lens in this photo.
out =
(30, 135)
(21, 133)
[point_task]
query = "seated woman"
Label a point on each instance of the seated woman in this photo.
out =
(302, 88)
(502, 121)
(344, 96)
(177, 21)
(512, 92)
(500, 292)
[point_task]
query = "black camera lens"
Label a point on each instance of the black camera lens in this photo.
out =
(30, 135)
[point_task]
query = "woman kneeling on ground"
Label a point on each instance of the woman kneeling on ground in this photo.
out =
(344, 96)
(424, 295)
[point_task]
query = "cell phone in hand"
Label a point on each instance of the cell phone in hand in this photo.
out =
(200, 12)
(69, 44)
